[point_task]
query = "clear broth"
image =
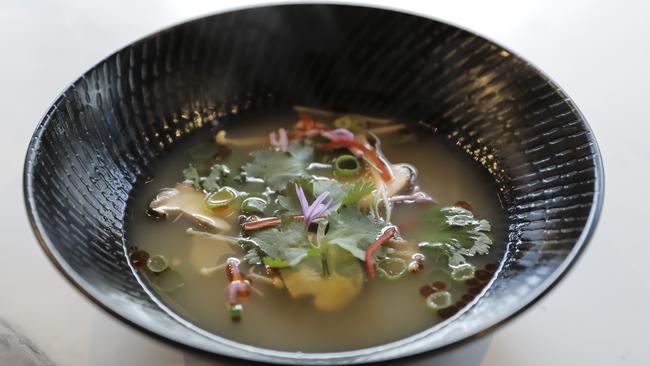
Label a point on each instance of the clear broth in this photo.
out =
(384, 311)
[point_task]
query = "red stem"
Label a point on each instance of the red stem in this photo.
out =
(372, 248)
(266, 223)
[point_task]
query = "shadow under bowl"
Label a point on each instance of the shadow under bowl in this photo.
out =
(108, 128)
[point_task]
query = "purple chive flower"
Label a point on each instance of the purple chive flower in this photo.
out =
(338, 134)
(279, 140)
(317, 208)
(341, 134)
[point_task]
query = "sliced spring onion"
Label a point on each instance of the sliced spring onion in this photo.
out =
(441, 275)
(235, 311)
(463, 272)
(438, 300)
(253, 205)
(169, 280)
(221, 198)
(369, 154)
(346, 165)
(392, 268)
(157, 263)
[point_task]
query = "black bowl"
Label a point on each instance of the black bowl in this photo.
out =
(106, 130)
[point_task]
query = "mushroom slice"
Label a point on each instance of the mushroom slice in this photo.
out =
(403, 181)
(221, 139)
(208, 250)
(184, 199)
(330, 293)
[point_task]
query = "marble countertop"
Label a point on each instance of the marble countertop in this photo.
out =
(598, 51)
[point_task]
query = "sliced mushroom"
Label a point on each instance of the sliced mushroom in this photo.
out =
(331, 293)
(207, 248)
(385, 130)
(403, 175)
(184, 199)
(403, 182)
(221, 139)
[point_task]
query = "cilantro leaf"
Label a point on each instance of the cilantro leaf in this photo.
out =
(300, 152)
(252, 257)
(212, 182)
(452, 233)
(275, 263)
(352, 230)
(277, 168)
(289, 204)
(336, 189)
(285, 245)
(360, 189)
(287, 200)
(253, 254)
(215, 179)
(192, 174)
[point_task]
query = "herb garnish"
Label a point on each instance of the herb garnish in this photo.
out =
(285, 245)
(352, 230)
(278, 168)
(361, 189)
(452, 234)
(317, 233)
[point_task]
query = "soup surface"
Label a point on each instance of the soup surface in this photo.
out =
(183, 260)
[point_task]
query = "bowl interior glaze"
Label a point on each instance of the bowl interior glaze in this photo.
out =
(106, 130)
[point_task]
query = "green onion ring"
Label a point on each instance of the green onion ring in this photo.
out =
(392, 277)
(253, 205)
(157, 263)
(438, 300)
(221, 198)
(346, 165)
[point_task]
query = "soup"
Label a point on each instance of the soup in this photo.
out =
(316, 231)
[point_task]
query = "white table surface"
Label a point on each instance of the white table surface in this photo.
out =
(598, 51)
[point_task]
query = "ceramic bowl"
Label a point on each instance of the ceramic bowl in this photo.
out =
(103, 133)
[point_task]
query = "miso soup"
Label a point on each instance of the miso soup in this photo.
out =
(316, 231)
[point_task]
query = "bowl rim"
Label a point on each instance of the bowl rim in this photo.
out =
(382, 352)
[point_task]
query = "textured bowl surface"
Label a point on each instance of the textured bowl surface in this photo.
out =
(106, 130)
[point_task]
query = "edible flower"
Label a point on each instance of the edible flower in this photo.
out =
(316, 209)
(279, 140)
(338, 134)
(342, 134)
